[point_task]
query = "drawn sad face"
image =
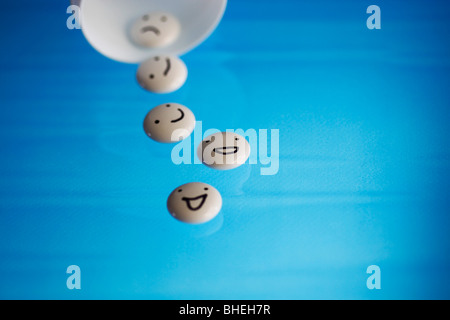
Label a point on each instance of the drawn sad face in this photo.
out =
(155, 30)
(224, 151)
(194, 202)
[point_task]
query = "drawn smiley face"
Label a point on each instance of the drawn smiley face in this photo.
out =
(155, 30)
(162, 74)
(224, 151)
(169, 122)
(194, 203)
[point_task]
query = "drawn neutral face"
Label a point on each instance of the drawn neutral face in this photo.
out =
(169, 122)
(224, 151)
(162, 74)
(194, 203)
(155, 30)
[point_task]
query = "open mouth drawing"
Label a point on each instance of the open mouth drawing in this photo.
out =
(196, 203)
(180, 118)
(226, 150)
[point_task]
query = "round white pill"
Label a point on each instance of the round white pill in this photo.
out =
(169, 122)
(224, 150)
(194, 203)
(162, 74)
(155, 30)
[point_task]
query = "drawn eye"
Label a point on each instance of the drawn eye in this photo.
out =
(167, 105)
(206, 189)
(157, 121)
(179, 190)
(152, 76)
(236, 139)
(156, 58)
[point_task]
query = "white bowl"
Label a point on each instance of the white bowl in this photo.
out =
(106, 24)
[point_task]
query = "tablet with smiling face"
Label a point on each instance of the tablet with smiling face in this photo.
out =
(194, 203)
(224, 151)
(169, 122)
(162, 74)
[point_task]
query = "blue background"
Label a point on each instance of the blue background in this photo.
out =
(364, 158)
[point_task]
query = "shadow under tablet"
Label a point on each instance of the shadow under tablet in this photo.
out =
(198, 230)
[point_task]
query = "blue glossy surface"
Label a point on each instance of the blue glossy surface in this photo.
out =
(364, 158)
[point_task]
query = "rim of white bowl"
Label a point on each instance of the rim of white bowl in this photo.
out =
(105, 25)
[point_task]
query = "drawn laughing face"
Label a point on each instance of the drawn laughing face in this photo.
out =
(194, 203)
(169, 122)
(155, 30)
(224, 150)
(162, 74)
